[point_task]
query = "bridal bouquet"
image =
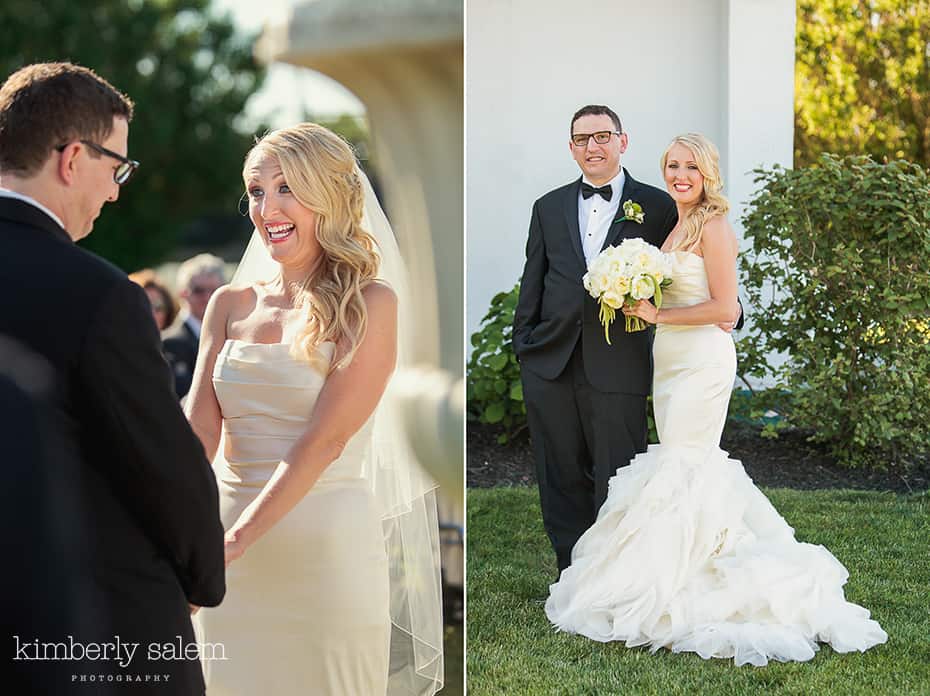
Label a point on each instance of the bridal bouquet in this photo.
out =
(634, 270)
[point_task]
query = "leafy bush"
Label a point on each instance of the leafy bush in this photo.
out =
(494, 391)
(837, 281)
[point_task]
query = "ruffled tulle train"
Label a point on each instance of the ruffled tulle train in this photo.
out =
(688, 554)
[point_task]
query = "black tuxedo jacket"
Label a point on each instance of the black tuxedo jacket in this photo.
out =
(181, 344)
(148, 498)
(47, 591)
(555, 311)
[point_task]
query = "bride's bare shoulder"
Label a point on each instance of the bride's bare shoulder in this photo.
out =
(379, 294)
(718, 225)
(231, 301)
(717, 232)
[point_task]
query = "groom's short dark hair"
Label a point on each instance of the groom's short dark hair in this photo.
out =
(45, 105)
(596, 110)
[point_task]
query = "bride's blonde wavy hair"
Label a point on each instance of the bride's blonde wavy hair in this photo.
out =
(712, 201)
(321, 172)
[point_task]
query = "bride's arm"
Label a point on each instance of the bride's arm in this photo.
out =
(201, 408)
(719, 246)
(345, 403)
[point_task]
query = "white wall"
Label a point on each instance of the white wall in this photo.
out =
(760, 93)
(720, 67)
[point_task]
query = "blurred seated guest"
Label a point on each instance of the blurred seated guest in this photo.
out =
(164, 306)
(198, 279)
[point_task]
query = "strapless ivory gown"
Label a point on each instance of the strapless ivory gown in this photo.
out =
(686, 552)
(307, 607)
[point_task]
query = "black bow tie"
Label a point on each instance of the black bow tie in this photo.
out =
(605, 191)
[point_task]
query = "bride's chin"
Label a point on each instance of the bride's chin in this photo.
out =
(278, 251)
(294, 263)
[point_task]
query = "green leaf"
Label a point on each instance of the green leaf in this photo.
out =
(494, 413)
(498, 362)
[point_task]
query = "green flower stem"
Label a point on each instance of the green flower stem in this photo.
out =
(608, 314)
(658, 292)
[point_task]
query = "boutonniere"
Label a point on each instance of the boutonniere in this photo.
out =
(632, 211)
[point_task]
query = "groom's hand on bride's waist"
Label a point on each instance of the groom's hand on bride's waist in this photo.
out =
(728, 326)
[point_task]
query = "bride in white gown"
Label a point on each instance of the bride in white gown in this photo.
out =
(686, 552)
(331, 534)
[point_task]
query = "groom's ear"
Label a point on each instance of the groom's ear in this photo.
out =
(67, 163)
(624, 141)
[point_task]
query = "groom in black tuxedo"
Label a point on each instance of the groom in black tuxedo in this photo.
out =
(585, 400)
(140, 484)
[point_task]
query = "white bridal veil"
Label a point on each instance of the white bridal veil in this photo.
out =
(407, 495)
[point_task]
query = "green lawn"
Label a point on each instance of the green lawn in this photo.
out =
(882, 538)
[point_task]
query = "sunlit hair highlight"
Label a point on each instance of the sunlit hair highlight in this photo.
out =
(712, 202)
(321, 172)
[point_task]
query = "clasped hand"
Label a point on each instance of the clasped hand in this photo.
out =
(643, 309)
(233, 547)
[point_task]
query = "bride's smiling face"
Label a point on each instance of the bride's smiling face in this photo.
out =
(287, 227)
(683, 179)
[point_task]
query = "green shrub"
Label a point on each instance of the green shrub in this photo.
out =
(494, 391)
(837, 281)
(761, 408)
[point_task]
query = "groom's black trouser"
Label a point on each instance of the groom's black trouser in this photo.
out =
(580, 437)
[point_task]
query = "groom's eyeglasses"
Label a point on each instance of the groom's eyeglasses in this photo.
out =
(601, 138)
(124, 170)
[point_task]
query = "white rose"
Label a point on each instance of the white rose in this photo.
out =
(612, 299)
(603, 263)
(654, 268)
(586, 282)
(666, 265)
(643, 288)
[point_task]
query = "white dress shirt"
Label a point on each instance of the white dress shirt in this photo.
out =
(595, 216)
(6, 193)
